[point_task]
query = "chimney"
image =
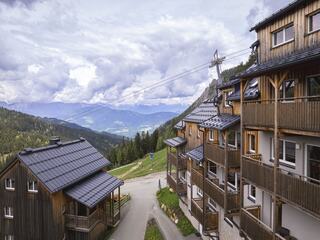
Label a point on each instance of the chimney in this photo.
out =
(54, 140)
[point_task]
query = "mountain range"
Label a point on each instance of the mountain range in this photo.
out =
(99, 117)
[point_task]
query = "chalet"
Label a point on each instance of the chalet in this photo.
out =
(60, 191)
(280, 164)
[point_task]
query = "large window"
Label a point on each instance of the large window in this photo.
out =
(313, 86)
(287, 152)
(8, 212)
(212, 168)
(287, 89)
(9, 184)
(313, 156)
(314, 22)
(283, 36)
(32, 186)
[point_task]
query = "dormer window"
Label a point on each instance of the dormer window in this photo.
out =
(8, 212)
(283, 36)
(32, 186)
(9, 184)
(314, 22)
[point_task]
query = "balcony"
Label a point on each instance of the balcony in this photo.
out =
(292, 188)
(83, 222)
(217, 194)
(178, 186)
(216, 154)
(197, 177)
(299, 114)
(209, 220)
(178, 161)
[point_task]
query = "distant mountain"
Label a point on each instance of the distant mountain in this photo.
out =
(19, 130)
(97, 117)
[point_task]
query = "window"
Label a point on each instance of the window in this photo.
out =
(313, 157)
(287, 152)
(8, 237)
(32, 186)
(226, 101)
(199, 192)
(233, 180)
(283, 36)
(212, 168)
(183, 175)
(314, 22)
(252, 193)
(9, 184)
(211, 135)
(232, 139)
(252, 143)
(190, 130)
(287, 89)
(212, 205)
(198, 134)
(313, 86)
(8, 212)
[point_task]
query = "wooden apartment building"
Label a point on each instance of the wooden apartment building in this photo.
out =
(257, 171)
(60, 191)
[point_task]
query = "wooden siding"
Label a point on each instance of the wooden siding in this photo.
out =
(214, 192)
(193, 140)
(216, 154)
(302, 39)
(197, 178)
(35, 217)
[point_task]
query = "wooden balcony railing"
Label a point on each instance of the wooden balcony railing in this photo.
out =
(214, 192)
(85, 222)
(197, 209)
(252, 226)
(178, 186)
(197, 178)
(233, 202)
(295, 114)
(211, 221)
(216, 154)
(298, 190)
(179, 161)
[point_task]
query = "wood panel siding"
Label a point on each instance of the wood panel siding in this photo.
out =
(193, 140)
(215, 153)
(301, 39)
(84, 222)
(34, 217)
(178, 161)
(214, 192)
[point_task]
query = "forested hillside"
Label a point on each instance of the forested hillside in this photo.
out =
(20, 130)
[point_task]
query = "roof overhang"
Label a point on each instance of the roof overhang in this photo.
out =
(196, 154)
(175, 142)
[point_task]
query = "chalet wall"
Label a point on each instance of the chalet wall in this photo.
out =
(33, 212)
(193, 140)
(302, 39)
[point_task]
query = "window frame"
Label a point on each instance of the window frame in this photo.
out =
(11, 186)
(190, 130)
(35, 186)
(283, 161)
(214, 174)
(211, 135)
(199, 192)
(183, 178)
(235, 139)
(212, 205)
(8, 212)
(307, 87)
(283, 30)
(226, 95)
(234, 187)
(253, 151)
(251, 197)
(309, 17)
(283, 90)
(198, 133)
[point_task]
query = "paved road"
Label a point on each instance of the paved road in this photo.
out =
(142, 205)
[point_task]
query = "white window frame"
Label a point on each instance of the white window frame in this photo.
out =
(212, 205)
(309, 22)
(211, 135)
(284, 152)
(9, 187)
(34, 189)
(226, 95)
(8, 212)
(209, 172)
(234, 187)
(236, 139)
(190, 130)
(283, 90)
(283, 30)
(199, 192)
(251, 197)
(9, 237)
(250, 143)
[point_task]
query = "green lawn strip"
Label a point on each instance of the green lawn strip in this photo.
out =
(142, 167)
(152, 231)
(169, 203)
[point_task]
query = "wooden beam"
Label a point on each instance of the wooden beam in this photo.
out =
(242, 150)
(271, 80)
(283, 77)
(226, 168)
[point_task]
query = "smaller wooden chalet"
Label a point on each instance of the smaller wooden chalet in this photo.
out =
(57, 192)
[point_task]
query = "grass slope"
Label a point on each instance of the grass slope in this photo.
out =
(153, 232)
(142, 167)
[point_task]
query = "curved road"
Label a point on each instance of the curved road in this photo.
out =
(143, 204)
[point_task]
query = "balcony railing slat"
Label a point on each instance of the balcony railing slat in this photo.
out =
(214, 192)
(216, 153)
(197, 178)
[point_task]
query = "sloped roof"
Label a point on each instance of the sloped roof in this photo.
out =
(180, 125)
(175, 142)
(196, 154)
(251, 92)
(63, 164)
(280, 13)
(301, 56)
(229, 83)
(203, 112)
(94, 189)
(221, 122)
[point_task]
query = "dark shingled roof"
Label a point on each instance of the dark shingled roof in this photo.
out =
(281, 13)
(203, 112)
(221, 122)
(229, 83)
(196, 154)
(251, 92)
(63, 164)
(94, 189)
(175, 142)
(180, 125)
(305, 55)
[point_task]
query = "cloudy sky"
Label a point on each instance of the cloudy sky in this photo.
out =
(103, 51)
